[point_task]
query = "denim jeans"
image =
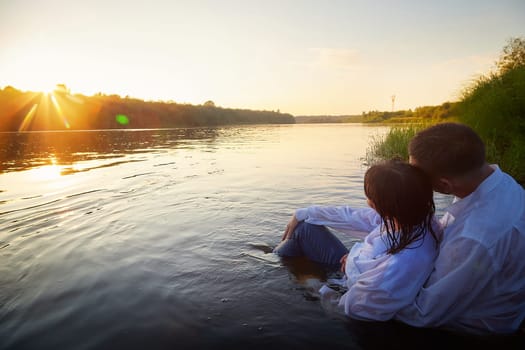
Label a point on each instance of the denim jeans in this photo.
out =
(315, 242)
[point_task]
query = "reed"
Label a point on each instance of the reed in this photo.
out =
(394, 144)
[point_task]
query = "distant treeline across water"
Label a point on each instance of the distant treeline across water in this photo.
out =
(32, 111)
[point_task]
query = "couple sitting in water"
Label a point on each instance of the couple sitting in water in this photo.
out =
(463, 272)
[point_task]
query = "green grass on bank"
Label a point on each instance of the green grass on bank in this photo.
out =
(392, 145)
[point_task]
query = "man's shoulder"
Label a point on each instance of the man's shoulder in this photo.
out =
(508, 181)
(506, 197)
(493, 215)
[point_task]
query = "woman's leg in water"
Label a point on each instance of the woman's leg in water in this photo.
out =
(315, 242)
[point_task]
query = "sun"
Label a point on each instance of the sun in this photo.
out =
(43, 86)
(52, 101)
(48, 88)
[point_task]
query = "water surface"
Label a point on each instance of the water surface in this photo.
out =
(159, 239)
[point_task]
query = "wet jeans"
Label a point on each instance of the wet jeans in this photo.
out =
(315, 242)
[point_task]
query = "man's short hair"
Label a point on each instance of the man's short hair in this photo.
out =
(447, 149)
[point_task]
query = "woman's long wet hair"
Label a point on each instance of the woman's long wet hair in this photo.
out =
(403, 197)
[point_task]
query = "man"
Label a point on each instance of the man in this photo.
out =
(478, 282)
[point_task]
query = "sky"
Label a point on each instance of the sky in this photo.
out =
(329, 57)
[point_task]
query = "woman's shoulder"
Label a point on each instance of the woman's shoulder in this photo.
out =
(423, 249)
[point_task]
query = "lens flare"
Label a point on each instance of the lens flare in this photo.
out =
(122, 119)
(28, 118)
(59, 111)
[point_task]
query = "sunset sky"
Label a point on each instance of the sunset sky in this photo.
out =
(301, 57)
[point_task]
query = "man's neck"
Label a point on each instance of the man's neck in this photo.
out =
(468, 184)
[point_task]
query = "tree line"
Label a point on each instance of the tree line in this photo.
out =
(419, 114)
(34, 111)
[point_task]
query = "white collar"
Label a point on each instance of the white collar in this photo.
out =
(459, 205)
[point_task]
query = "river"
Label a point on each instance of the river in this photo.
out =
(160, 239)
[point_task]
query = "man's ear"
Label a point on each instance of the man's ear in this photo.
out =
(444, 185)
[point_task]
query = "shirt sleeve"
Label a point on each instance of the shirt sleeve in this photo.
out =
(469, 265)
(380, 292)
(342, 218)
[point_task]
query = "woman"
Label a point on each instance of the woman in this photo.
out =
(386, 270)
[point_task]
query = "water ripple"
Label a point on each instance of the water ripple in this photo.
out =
(172, 249)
